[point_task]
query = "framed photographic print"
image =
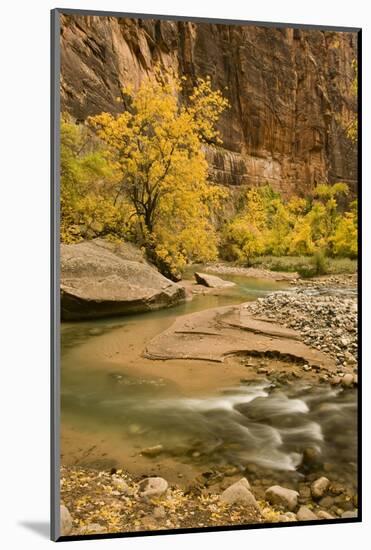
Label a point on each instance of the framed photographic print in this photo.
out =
(205, 251)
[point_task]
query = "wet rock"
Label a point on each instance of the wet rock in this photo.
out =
(305, 514)
(239, 493)
(320, 487)
(212, 281)
(311, 457)
(65, 521)
(232, 471)
(152, 451)
(95, 331)
(280, 496)
(153, 487)
(347, 380)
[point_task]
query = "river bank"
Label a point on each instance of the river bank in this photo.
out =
(105, 502)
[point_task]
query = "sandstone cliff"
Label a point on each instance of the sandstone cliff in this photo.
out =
(290, 90)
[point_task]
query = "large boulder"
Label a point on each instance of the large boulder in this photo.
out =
(100, 279)
(212, 281)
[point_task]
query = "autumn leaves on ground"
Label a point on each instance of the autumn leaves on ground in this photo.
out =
(141, 177)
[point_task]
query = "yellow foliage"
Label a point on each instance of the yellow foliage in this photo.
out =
(88, 180)
(268, 225)
(157, 147)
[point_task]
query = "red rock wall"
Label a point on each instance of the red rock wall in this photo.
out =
(290, 90)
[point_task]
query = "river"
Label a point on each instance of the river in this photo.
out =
(180, 418)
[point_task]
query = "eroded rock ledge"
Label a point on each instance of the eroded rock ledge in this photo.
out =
(216, 334)
(101, 279)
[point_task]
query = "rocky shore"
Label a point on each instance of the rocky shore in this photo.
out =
(324, 312)
(95, 502)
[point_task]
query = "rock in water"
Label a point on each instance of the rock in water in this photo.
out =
(305, 514)
(280, 496)
(319, 487)
(65, 521)
(239, 493)
(212, 281)
(153, 487)
(347, 380)
(99, 279)
(152, 451)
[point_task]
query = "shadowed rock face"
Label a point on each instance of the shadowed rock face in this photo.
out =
(289, 89)
(100, 279)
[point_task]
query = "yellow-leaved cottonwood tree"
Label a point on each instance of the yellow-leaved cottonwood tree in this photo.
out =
(157, 146)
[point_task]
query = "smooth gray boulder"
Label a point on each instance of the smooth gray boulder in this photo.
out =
(280, 496)
(100, 279)
(212, 281)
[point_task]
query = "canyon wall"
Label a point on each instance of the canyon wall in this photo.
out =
(290, 90)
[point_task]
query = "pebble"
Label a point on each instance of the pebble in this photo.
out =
(153, 487)
(305, 514)
(320, 487)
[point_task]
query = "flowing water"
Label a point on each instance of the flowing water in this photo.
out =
(197, 416)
